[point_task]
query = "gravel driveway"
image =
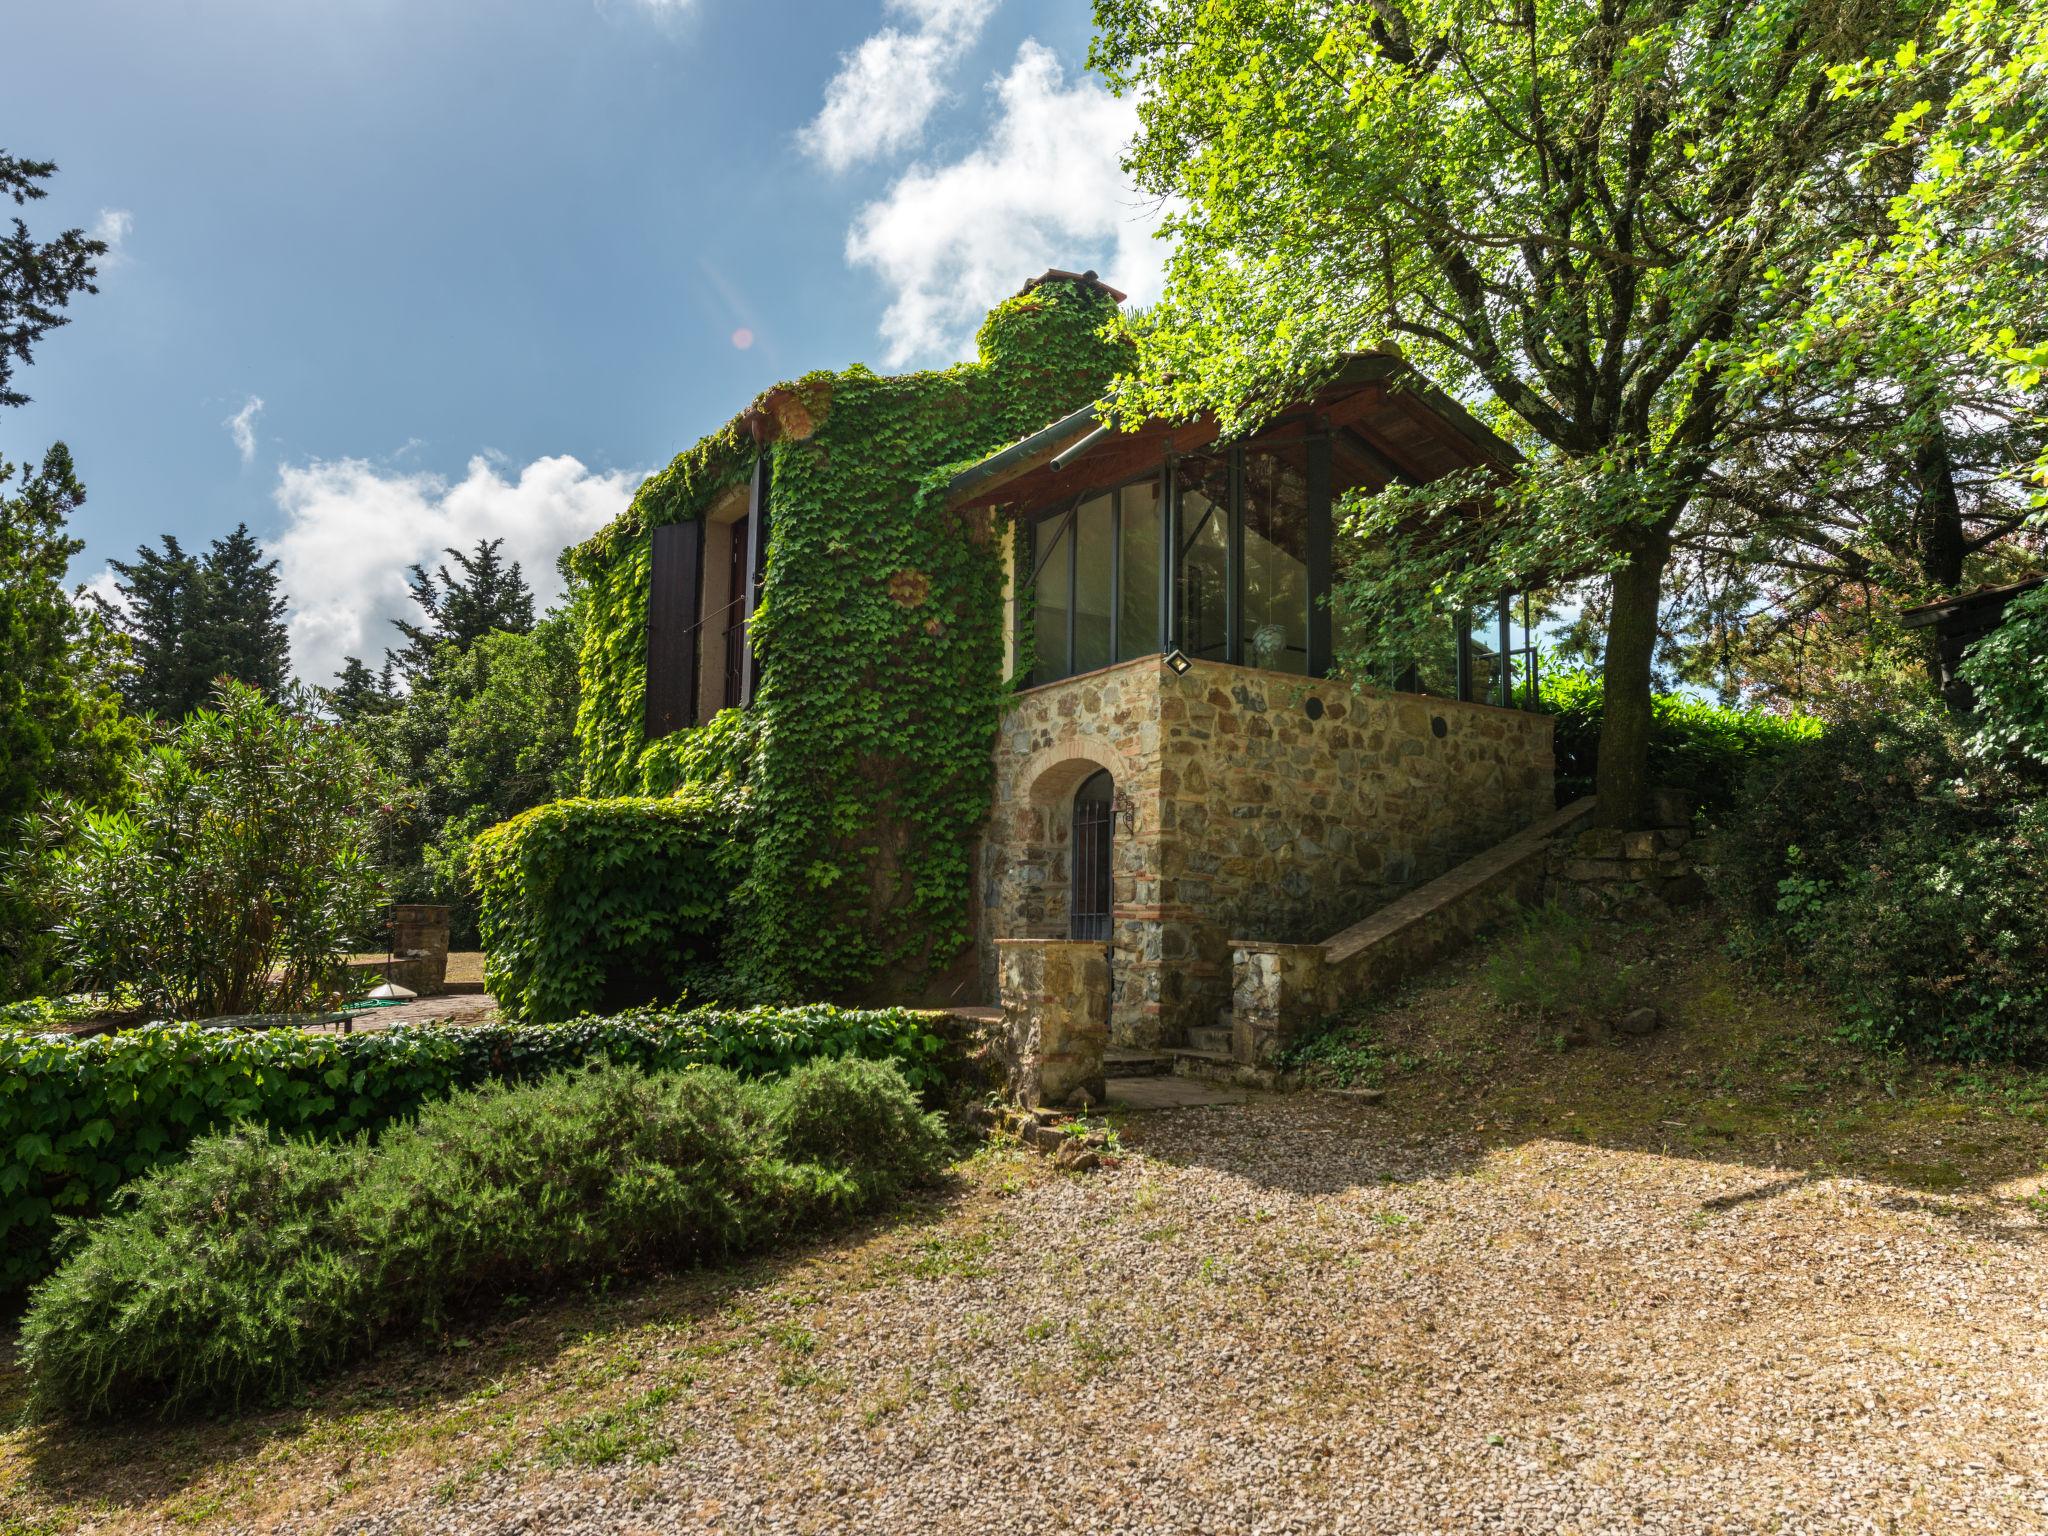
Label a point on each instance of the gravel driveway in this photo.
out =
(1290, 1317)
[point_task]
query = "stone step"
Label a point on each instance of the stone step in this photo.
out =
(1209, 1038)
(1134, 1064)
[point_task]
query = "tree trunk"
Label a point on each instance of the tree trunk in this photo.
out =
(1941, 539)
(1622, 773)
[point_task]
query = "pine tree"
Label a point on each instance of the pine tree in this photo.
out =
(490, 595)
(358, 693)
(193, 620)
(242, 633)
(159, 609)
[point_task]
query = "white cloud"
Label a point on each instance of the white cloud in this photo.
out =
(1045, 189)
(105, 586)
(890, 85)
(242, 427)
(351, 529)
(113, 226)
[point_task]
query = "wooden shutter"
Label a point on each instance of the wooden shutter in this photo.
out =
(672, 602)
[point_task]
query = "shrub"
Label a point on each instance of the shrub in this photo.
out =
(1905, 880)
(218, 1280)
(1814, 812)
(1699, 748)
(1938, 944)
(854, 1114)
(2006, 675)
(80, 1117)
(230, 880)
(593, 904)
(1553, 964)
(252, 1265)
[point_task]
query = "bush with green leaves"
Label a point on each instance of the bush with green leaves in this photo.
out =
(1558, 965)
(1699, 748)
(79, 1118)
(2007, 672)
(1903, 877)
(254, 1264)
(230, 879)
(602, 904)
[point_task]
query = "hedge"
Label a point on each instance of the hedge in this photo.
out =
(79, 1118)
(587, 905)
(1700, 748)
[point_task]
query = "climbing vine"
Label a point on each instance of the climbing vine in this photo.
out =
(880, 639)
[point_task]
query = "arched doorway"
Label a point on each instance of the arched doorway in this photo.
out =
(1089, 891)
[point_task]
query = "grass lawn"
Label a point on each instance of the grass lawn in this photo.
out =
(1728, 1277)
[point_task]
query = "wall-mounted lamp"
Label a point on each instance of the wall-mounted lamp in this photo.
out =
(1177, 660)
(1125, 809)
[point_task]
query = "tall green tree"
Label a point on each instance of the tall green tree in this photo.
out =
(38, 278)
(1580, 214)
(484, 594)
(195, 619)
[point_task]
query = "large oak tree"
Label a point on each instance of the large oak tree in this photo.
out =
(1586, 216)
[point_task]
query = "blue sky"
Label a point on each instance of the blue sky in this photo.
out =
(392, 274)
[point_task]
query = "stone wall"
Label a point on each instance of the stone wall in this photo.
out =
(1055, 997)
(1253, 805)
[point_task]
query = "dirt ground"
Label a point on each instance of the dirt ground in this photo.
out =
(1729, 1277)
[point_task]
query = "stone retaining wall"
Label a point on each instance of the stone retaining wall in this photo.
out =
(1280, 990)
(1252, 805)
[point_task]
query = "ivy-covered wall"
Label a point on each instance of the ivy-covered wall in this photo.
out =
(880, 637)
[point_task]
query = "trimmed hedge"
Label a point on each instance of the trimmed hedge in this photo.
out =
(253, 1265)
(1702, 749)
(591, 905)
(79, 1118)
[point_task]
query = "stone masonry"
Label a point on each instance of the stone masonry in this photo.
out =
(1251, 805)
(1055, 1020)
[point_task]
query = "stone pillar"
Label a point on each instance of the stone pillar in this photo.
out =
(419, 937)
(1276, 991)
(1055, 996)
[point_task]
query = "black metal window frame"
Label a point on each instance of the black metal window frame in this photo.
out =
(1175, 544)
(1091, 859)
(1063, 543)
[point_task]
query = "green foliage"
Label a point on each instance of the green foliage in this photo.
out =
(1700, 748)
(880, 633)
(1557, 965)
(1882, 862)
(62, 735)
(591, 904)
(79, 1118)
(232, 877)
(486, 731)
(192, 620)
(854, 1114)
(43, 1013)
(2007, 670)
(1938, 944)
(487, 597)
(38, 278)
(1345, 1052)
(254, 1264)
(1582, 214)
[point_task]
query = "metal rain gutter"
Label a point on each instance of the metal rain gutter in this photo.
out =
(977, 475)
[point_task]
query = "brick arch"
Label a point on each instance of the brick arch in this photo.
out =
(1053, 773)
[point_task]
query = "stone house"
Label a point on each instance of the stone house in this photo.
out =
(1178, 776)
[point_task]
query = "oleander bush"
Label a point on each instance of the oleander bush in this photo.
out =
(80, 1118)
(588, 905)
(241, 1272)
(1699, 748)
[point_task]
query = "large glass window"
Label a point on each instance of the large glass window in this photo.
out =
(1137, 571)
(1205, 557)
(1094, 572)
(1274, 629)
(1050, 549)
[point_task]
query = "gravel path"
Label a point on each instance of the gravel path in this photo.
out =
(1286, 1318)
